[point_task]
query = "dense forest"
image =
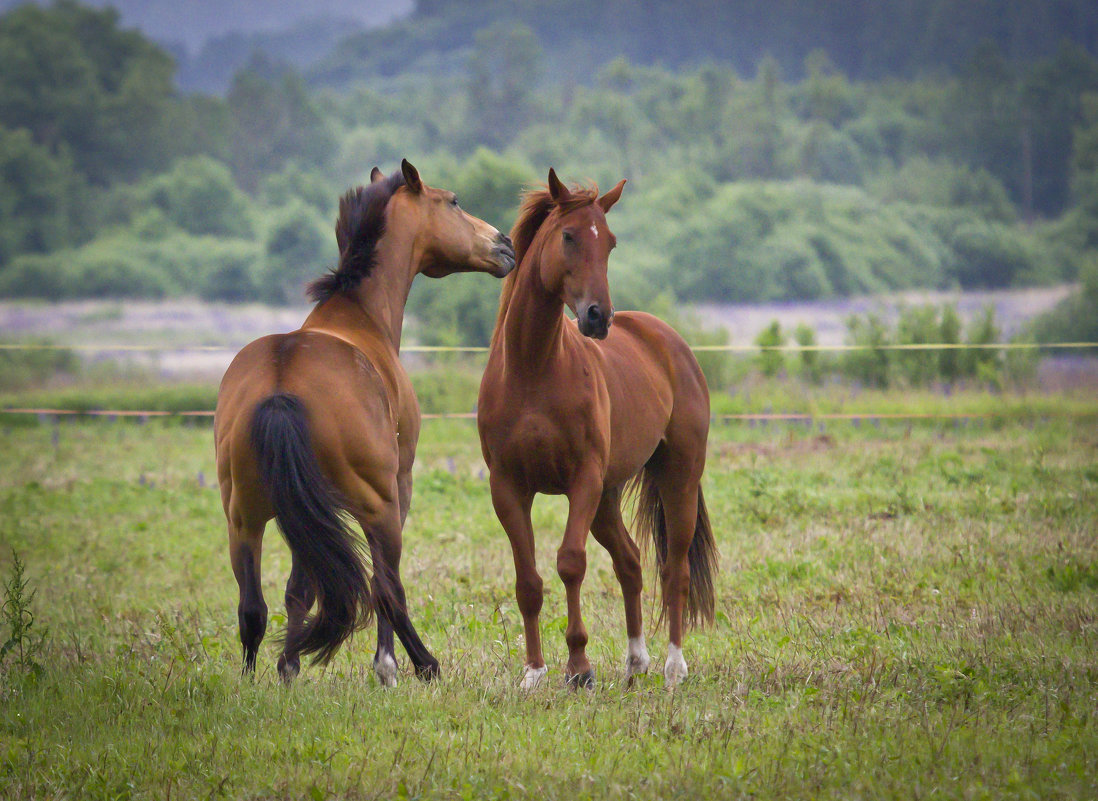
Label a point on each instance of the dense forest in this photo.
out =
(830, 149)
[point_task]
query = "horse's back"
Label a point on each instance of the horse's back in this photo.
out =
(346, 408)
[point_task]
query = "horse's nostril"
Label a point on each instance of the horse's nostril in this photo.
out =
(594, 314)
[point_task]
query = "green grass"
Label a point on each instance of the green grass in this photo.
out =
(902, 612)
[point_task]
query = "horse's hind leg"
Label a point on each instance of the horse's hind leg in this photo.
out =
(385, 666)
(299, 599)
(609, 530)
(393, 618)
(680, 506)
(245, 551)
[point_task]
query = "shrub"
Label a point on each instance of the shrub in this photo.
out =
(199, 195)
(991, 255)
(298, 248)
(918, 325)
(811, 363)
(770, 361)
(870, 363)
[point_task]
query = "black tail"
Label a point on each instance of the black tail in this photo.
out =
(651, 526)
(310, 514)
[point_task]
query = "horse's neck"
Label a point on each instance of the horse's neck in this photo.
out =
(376, 307)
(533, 327)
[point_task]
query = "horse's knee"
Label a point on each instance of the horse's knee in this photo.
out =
(571, 565)
(528, 592)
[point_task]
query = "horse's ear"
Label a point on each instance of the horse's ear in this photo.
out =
(376, 175)
(411, 176)
(610, 198)
(558, 191)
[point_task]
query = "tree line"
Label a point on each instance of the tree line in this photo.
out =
(747, 182)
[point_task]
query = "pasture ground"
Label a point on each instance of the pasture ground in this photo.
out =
(902, 612)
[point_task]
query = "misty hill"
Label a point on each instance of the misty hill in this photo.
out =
(868, 39)
(193, 23)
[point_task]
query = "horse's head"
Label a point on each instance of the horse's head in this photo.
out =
(448, 239)
(575, 254)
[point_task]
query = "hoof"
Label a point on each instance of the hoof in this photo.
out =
(533, 677)
(287, 670)
(586, 680)
(429, 671)
(636, 659)
(385, 668)
(674, 669)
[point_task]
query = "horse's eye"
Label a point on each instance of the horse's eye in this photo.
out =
(454, 200)
(568, 237)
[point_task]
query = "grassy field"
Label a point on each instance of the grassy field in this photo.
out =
(903, 611)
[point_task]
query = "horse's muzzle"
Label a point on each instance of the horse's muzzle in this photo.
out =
(594, 321)
(504, 254)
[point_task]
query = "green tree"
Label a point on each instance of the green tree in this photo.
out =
(274, 120)
(43, 201)
(73, 78)
(503, 69)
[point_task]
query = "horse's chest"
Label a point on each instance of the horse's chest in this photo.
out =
(546, 453)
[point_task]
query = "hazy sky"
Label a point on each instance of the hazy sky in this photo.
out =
(194, 21)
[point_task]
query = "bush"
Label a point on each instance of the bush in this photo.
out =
(985, 364)
(811, 363)
(870, 363)
(769, 360)
(199, 195)
(298, 248)
(991, 255)
(918, 325)
(232, 273)
(757, 242)
(1073, 319)
(121, 265)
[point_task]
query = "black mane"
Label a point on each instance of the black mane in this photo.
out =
(359, 227)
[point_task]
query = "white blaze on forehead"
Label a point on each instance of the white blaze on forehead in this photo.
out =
(595, 230)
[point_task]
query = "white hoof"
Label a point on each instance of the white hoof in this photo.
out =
(674, 669)
(636, 657)
(386, 670)
(533, 677)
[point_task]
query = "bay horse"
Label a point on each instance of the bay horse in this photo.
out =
(320, 425)
(590, 411)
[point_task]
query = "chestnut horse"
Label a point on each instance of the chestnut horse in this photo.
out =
(583, 410)
(321, 424)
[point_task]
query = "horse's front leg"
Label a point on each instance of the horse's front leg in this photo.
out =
(583, 502)
(512, 507)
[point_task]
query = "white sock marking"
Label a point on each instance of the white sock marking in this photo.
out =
(386, 670)
(636, 657)
(533, 677)
(674, 669)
